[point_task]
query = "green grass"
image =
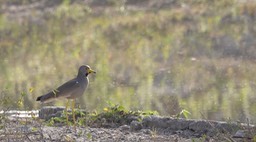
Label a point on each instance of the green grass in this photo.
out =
(197, 58)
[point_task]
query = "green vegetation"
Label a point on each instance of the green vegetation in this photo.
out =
(184, 113)
(198, 56)
(112, 116)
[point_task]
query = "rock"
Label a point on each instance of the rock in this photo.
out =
(155, 122)
(146, 131)
(124, 128)
(48, 112)
(166, 122)
(212, 128)
(242, 134)
(135, 126)
(132, 118)
(188, 126)
(202, 126)
(225, 127)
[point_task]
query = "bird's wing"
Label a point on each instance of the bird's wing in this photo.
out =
(64, 90)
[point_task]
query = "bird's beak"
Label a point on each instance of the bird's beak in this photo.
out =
(91, 71)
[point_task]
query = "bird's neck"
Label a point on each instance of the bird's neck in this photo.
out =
(81, 76)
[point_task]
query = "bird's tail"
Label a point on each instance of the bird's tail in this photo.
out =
(47, 97)
(39, 98)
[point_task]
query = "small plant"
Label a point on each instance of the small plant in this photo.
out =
(201, 139)
(154, 132)
(183, 113)
(34, 129)
(89, 136)
(20, 101)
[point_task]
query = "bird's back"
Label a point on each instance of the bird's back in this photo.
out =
(70, 90)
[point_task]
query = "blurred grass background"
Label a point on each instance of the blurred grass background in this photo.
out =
(164, 55)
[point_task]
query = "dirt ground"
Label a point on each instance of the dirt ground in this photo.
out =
(150, 129)
(81, 134)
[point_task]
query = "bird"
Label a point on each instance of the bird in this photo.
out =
(72, 89)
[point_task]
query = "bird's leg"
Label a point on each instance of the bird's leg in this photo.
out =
(73, 113)
(67, 112)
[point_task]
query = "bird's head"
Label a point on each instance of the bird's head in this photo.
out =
(86, 70)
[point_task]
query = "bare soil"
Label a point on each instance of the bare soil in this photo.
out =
(151, 128)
